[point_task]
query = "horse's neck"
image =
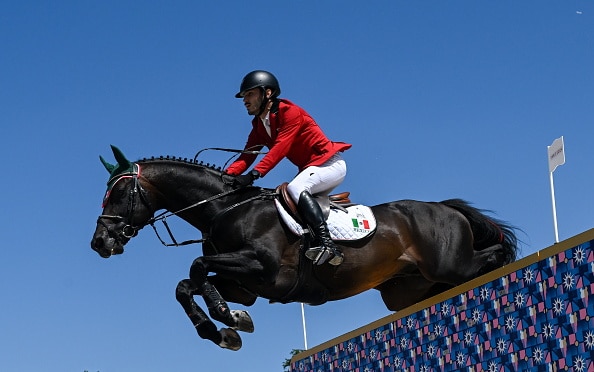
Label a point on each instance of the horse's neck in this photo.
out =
(183, 185)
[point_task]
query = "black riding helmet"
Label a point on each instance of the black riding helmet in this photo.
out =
(259, 78)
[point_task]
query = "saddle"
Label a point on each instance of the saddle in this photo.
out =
(340, 200)
(346, 222)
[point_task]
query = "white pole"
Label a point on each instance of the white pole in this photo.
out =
(303, 320)
(554, 207)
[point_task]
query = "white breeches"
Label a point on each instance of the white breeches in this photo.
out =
(319, 180)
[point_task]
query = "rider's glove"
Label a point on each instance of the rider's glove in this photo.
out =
(246, 179)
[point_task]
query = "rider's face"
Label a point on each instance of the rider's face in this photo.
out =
(252, 99)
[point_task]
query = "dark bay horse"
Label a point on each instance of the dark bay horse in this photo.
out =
(418, 250)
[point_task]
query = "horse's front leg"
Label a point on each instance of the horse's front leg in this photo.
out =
(225, 338)
(217, 307)
(238, 320)
(198, 284)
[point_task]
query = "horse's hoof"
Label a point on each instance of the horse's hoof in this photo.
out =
(243, 321)
(231, 339)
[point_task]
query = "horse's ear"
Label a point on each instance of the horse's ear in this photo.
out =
(109, 167)
(121, 159)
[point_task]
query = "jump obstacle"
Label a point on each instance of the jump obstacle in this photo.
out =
(534, 314)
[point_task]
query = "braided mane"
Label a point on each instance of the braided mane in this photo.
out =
(192, 162)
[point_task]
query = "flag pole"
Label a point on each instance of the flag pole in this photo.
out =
(303, 321)
(556, 154)
(554, 207)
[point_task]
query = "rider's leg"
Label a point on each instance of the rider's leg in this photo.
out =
(318, 180)
(312, 214)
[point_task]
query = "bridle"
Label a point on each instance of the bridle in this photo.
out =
(129, 229)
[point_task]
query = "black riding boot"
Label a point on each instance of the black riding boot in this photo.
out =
(312, 214)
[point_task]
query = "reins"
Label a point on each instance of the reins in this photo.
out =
(164, 215)
(249, 151)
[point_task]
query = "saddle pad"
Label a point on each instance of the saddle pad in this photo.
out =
(357, 223)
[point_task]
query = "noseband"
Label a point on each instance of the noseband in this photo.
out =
(129, 230)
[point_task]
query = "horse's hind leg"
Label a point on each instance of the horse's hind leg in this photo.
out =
(490, 258)
(403, 291)
(460, 263)
(225, 338)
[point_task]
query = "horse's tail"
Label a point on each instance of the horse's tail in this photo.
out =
(487, 231)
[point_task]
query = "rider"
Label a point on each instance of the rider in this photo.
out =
(288, 131)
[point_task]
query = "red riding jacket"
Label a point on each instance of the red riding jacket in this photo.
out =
(294, 135)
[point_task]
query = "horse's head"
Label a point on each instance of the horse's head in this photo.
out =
(126, 207)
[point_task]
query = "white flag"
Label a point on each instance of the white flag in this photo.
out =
(556, 154)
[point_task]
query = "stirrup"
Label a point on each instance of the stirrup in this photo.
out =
(319, 255)
(313, 252)
(337, 259)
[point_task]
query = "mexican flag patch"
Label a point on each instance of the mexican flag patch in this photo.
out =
(360, 223)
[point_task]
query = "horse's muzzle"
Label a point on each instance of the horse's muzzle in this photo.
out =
(106, 246)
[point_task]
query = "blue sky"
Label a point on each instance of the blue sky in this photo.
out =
(440, 99)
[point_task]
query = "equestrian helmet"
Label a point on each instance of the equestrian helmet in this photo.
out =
(259, 78)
